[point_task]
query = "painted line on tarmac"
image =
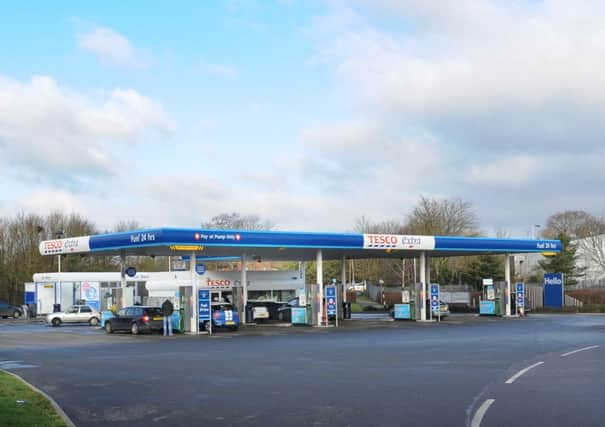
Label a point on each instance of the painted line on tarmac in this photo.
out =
(521, 372)
(15, 364)
(476, 422)
(569, 353)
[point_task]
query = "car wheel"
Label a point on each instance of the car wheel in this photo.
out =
(5, 317)
(108, 328)
(134, 328)
(17, 314)
(93, 321)
(56, 321)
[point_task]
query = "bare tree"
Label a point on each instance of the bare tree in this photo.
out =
(447, 217)
(126, 226)
(575, 224)
(236, 221)
(453, 217)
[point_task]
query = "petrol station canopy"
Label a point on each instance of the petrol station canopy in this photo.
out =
(287, 245)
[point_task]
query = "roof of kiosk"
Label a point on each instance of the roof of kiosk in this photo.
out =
(287, 245)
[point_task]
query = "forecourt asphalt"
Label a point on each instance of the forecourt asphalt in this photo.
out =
(544, 370)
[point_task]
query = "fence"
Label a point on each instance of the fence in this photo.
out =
(464, 296)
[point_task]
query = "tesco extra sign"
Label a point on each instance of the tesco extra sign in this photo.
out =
(394, 241)
(63, 246)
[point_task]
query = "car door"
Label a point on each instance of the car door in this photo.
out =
(131, 315)
(71, 314)
(84, 315)
(119, 320)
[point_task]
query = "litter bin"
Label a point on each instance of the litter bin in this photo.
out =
(56, 308)
(32, 310)
(249, 313)
(346, 310)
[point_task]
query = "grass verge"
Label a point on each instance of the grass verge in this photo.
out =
(356, 308)
(35, 411)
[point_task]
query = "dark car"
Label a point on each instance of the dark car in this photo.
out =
(284, 313)
(136, 319)
(9, 310)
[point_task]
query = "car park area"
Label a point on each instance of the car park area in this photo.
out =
(238, 378)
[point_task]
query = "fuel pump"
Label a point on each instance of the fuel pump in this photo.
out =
(407, 309)
(491, 301)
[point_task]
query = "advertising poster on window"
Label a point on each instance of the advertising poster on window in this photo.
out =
(90, 293)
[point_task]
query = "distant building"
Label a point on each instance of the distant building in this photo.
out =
(590, 260)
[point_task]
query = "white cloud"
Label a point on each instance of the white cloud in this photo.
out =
(507, 171)
(112, 48)
(509, 94)
(48, 200)
(469, 61)
(355, 155)
(52, 131)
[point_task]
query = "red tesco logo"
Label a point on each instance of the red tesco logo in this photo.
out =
(381, 239)
(53, 244)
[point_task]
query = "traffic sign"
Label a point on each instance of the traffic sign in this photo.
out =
(520, 295)
(204, 304)
(435, 297)
(331, 300)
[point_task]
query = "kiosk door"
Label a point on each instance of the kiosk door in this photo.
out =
(46, 297)
(186, 306)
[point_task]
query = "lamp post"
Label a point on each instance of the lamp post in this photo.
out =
(58, 234)
(534, 230)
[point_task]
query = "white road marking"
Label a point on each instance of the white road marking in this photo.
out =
(521, 372)
(579, 350)
(476, 422)
(14, 364)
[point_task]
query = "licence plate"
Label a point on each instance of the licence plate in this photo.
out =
(230, 322)
(158, 318)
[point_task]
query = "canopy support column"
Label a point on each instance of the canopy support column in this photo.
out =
(422, 286)
(320, 286)
(428, 286)
(244, 290)
(122, 279)
(507, 280)
(343, 278)
(195, 295)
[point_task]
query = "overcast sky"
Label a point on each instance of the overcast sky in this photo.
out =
(307, 113)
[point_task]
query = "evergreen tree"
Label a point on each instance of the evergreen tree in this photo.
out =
(484, 267)
(563, 262)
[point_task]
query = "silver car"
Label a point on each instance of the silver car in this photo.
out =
(75, 314)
